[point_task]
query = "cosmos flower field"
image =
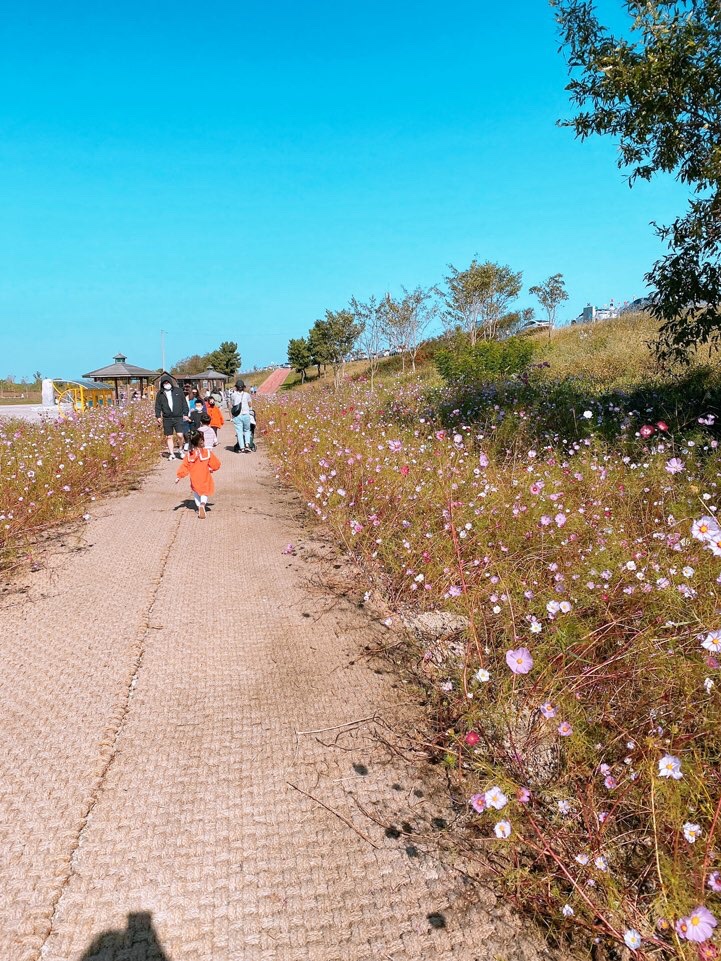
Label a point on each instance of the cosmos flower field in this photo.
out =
(578, 713)
(52, 471)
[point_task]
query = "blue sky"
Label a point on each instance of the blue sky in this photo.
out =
(230, 170)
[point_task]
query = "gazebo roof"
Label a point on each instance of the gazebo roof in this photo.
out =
(208, 374)
(120, 370)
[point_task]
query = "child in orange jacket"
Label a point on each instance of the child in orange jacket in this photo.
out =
(200, 464)
(216, 415)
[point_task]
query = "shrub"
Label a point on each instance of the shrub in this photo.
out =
(463, 363)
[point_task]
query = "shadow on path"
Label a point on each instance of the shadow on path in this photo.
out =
(138, 942)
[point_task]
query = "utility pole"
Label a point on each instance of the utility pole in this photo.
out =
(162, 347)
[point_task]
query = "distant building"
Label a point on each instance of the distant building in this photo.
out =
(589, 314)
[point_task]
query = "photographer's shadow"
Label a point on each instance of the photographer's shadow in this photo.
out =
(138, 942)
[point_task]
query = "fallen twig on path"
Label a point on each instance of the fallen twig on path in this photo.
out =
(340, 816)
(324, 730)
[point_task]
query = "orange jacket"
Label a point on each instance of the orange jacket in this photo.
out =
(200, 464)
(215, 414)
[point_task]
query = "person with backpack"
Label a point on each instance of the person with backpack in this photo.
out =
(240, 403)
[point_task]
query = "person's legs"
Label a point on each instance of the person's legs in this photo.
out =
(169, 435)
(238, 424)
(246, 430)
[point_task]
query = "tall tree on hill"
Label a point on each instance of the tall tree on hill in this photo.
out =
(226, 359)
(479, 297)
(406, 320)
(317, 345)
(339, 331)
(656, 92)
(369, 317)
(551, 294)
(299, 356)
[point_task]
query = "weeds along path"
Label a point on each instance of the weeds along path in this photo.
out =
(153, 689)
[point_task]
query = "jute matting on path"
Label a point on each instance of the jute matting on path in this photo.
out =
(151, 689)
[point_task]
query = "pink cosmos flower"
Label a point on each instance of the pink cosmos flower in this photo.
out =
(471, 739)
(454, 591)
(675, 465)
(478, 803)
(523, 796)
(519, 660)
(483, 460)
(662, 425)
(610, 782)
(647, 431)
(697, 926)
(560, 519)
(565, 729)
(440, 435)
(714, 881)
(394, 445)
(547, 710)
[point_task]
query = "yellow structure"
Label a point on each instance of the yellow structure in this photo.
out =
(83, 394)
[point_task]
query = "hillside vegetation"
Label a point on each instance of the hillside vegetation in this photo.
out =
(568, 514)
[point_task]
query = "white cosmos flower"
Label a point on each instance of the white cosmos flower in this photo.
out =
(692, 832)
(495, 798)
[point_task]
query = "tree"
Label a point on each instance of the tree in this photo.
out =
(299, 355)
(405, 320)
(551, 293)
(657, 94)
(317, 345)
(191, 365)
(225, 359)
(479, 296)
(369, 317)
(338, 333)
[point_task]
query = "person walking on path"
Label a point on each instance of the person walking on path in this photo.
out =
(170, 408)
(199, 464)
(216, 415)
(240, 403)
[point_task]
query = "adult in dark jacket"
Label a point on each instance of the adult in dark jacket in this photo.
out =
(171, 411)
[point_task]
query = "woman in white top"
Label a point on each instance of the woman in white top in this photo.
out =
(240, 403)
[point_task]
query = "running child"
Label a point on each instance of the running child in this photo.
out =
(200, 465)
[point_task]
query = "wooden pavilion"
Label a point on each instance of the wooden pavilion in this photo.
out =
(210, 379)
(121, 373)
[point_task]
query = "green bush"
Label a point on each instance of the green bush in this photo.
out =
(488, 360)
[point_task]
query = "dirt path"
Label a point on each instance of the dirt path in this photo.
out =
(275, 380)
(153, 685)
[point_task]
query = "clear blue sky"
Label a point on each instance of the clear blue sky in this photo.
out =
(229, 170)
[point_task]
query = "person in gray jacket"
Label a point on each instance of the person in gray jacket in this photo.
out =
(171, 412)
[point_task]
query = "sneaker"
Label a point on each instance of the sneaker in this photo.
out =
(201, 511)
(179, 454)
(236, 448)
(253, 448)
